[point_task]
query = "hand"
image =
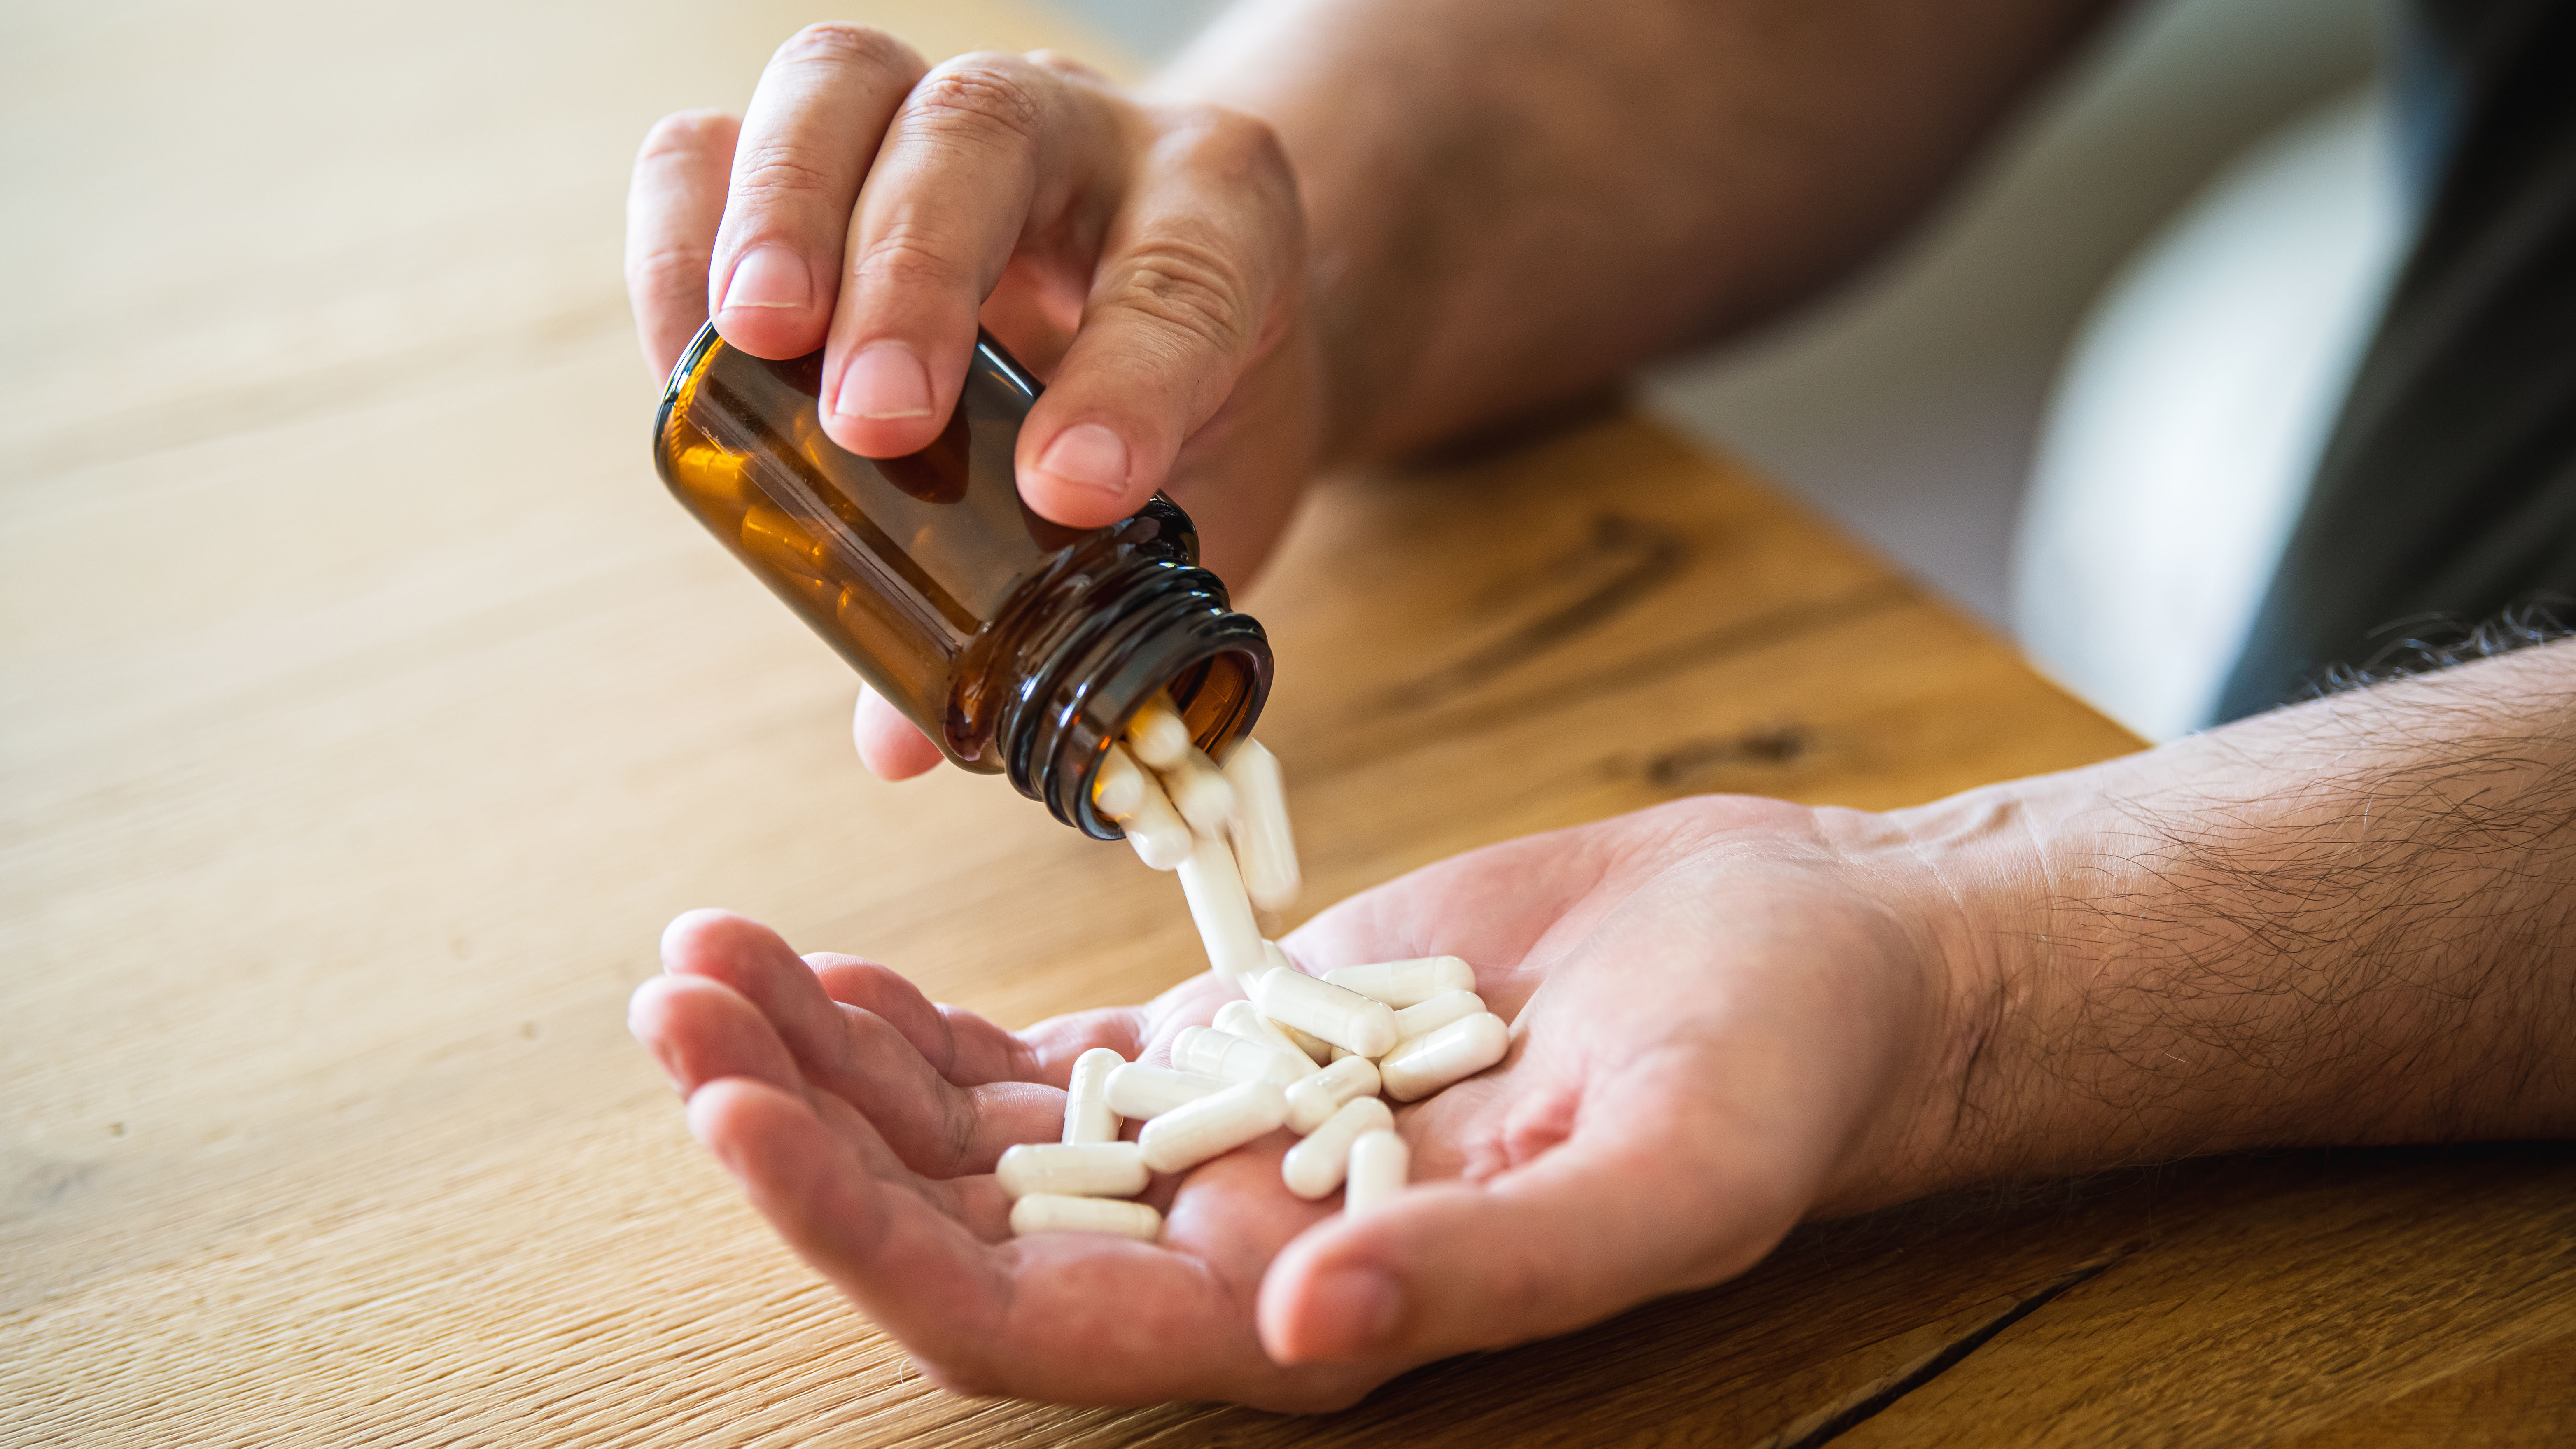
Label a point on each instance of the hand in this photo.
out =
(1147, 260)
(1727, 1014)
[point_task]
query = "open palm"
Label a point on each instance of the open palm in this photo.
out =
(1721, 1021)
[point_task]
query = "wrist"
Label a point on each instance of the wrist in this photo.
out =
(1969, 877)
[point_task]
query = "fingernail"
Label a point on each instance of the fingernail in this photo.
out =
(769, 277)
(884, 381)
(1361, 1302)
(1088, 456)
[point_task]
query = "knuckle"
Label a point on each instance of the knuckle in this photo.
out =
(844, 44)
(780, 168)
(1231, 137)
(1516, 1298)
(1067, 66)
(1191, 290)
(906, 257)
(990, 97)
(667, 270)
(663, 267)
(1238, 149)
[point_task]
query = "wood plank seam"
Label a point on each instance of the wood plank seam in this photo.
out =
(1838, 1418)
(1742, 637)
(1651, 553)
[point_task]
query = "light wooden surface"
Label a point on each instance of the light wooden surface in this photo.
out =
(367, 709)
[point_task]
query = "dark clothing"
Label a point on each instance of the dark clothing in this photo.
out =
(2447, 491)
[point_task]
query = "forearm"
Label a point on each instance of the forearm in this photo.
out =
(2349, 922)
(1516, 201)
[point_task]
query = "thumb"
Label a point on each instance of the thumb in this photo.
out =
(1188, 292)
(1585, 1230)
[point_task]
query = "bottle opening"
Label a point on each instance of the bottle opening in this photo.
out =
(1218, 697)
(1215, 699)
(1178, 635)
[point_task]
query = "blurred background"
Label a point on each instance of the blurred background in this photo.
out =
(2206, 153)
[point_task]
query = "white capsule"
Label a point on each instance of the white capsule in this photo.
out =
(1222, 1054)
(1200, 792)
(1259, 825)
(1424, 1017)
(1156, 735)
(1118, 786)
(1379, 1164)
(1309, 1043)
(1162, 839)
(1344, 1018)
(1318, 1097)
(1191, 1134)
(1433, 1060)
(1315, 1166)
(1242, 1018)
(1406, 983)
(1139, 1091)
(1087, 1114)
(1343, 1054)
(1049, 1213)
(1222, 911)
(1088, 1169)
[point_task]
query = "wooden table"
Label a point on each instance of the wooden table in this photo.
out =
(368, 709)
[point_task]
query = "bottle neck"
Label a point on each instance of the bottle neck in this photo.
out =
(1153, 624)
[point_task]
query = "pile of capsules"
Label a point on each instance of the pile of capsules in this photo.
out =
(1304, 1053)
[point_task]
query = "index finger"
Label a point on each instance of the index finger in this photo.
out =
(986, 151)
(812, 129)
(967, 1049)
(937, 1127)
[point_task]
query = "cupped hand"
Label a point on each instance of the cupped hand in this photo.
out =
(1727, 1015)
(1146, 259)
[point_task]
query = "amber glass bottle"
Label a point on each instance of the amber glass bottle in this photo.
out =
(1020, 646)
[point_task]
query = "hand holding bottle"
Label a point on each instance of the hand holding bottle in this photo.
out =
(1146, 259)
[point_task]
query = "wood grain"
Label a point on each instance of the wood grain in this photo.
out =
(369, 708)
(2522, 1398)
